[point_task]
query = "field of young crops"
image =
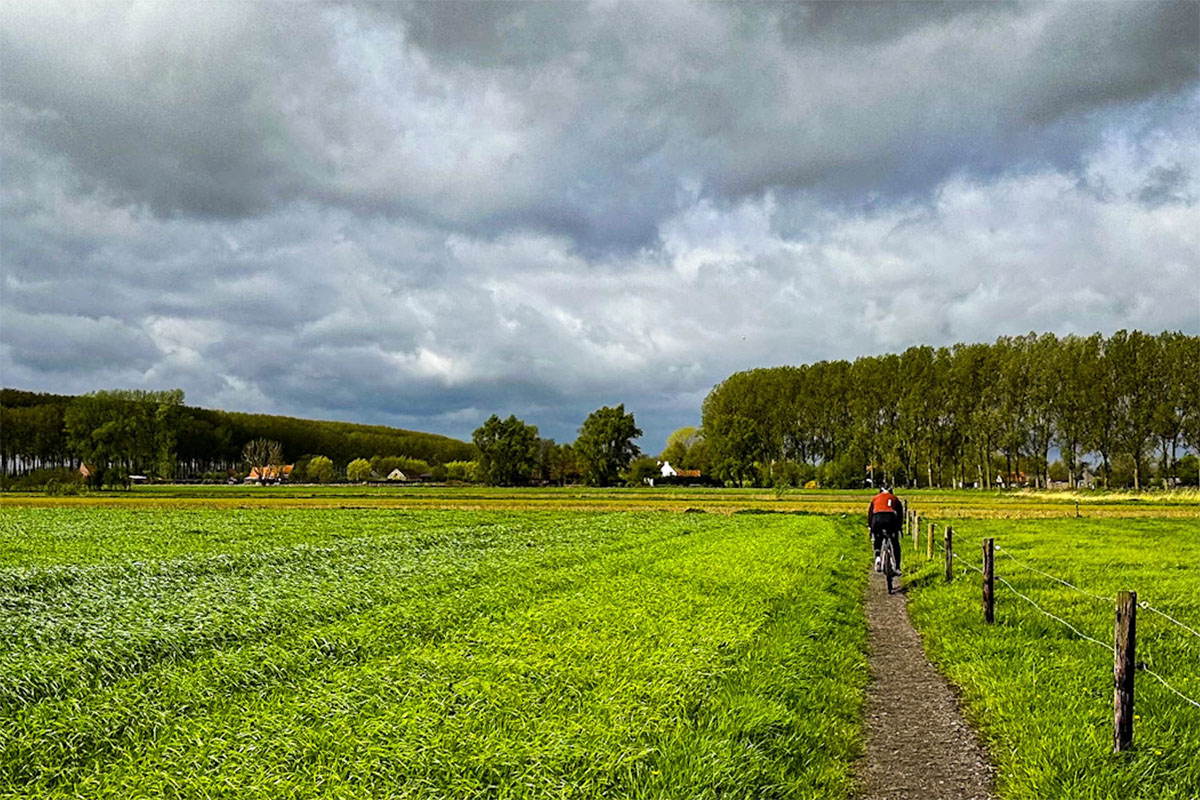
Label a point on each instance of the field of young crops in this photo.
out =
(381, 653)
(1043, 693)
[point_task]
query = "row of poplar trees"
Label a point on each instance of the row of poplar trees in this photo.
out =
(966, 415)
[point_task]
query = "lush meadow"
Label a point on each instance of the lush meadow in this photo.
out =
(381, 653)
(1042, 692)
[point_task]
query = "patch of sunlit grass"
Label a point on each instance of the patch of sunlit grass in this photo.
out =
(323, 653)
(1042, 692)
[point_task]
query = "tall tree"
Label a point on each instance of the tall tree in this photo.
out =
(132, 430)
(1078, 364)
(605, 444)
(1131, 359)
(508, 451)
(1176, 359)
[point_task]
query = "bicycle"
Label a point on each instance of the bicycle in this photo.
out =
(888, 562)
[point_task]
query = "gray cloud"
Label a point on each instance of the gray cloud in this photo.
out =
(573, 119)
(426, 213)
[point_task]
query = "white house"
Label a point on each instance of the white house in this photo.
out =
(399, 475)
(668, 471)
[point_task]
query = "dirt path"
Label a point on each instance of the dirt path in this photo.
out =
(918, 745)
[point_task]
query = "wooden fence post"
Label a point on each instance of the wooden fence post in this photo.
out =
(1123, 669)
(929, 544)
(916, 529)
(989, 605)
(949, 554)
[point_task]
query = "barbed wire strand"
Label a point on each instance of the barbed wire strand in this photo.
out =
(1103, 599)
(1188, 628)
(1078, 632)
(967, 563)
(1141, 603)
(1109, 648)
(1160, 679)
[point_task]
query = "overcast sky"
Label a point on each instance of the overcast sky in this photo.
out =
(423, 214)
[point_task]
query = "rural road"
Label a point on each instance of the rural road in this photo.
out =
(919, 747)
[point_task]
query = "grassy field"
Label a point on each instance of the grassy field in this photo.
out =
(147, 652)
(457, 642)
(944, 503)
(1041, 692)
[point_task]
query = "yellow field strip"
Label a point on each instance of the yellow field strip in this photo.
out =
(956, 508)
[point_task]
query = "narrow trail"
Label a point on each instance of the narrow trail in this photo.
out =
(919, 747)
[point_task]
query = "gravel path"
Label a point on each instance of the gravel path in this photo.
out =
(918, 745)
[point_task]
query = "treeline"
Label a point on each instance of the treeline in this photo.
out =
(512, 453)
(155, 434)
(971, 414)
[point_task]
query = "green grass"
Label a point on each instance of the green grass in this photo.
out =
(379, 653)
(1041, 693)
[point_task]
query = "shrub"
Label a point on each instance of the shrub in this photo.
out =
(358, 470)
(320, 469)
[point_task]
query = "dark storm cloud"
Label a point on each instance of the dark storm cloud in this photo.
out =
(48, 343)
(567, 118)
(426, 213)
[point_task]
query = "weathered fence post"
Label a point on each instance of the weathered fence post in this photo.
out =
(949, 554)
(916, 529)
(1123, 670)
(929, 543)
(989, 605)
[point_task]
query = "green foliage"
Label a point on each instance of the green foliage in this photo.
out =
(605, 444)
(319, 470)
(126, 430)
(841, 473)
(790, 475)
(1042, 693)
(181, 439)
(385, 465)
(358, 470)
(508, 451)
(969, 414)
(1058, 471)
(464, 471)
(687, 449)
(310, 653)
(43, 480)
(1188, 470)
(639, 470)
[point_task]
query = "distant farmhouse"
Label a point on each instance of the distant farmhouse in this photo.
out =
(270, 474)
(674, 475)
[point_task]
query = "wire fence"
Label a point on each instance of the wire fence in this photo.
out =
(1109, 648)
(1068, 584)
(1055, 617)
(1188, 628)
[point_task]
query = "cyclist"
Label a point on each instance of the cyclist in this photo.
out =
(885, 517)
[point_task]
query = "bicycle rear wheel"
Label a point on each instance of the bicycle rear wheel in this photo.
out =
(889, 564)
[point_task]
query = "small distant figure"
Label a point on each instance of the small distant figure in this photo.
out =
(885, 517)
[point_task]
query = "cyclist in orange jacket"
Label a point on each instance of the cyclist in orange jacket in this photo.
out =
(885, 517)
